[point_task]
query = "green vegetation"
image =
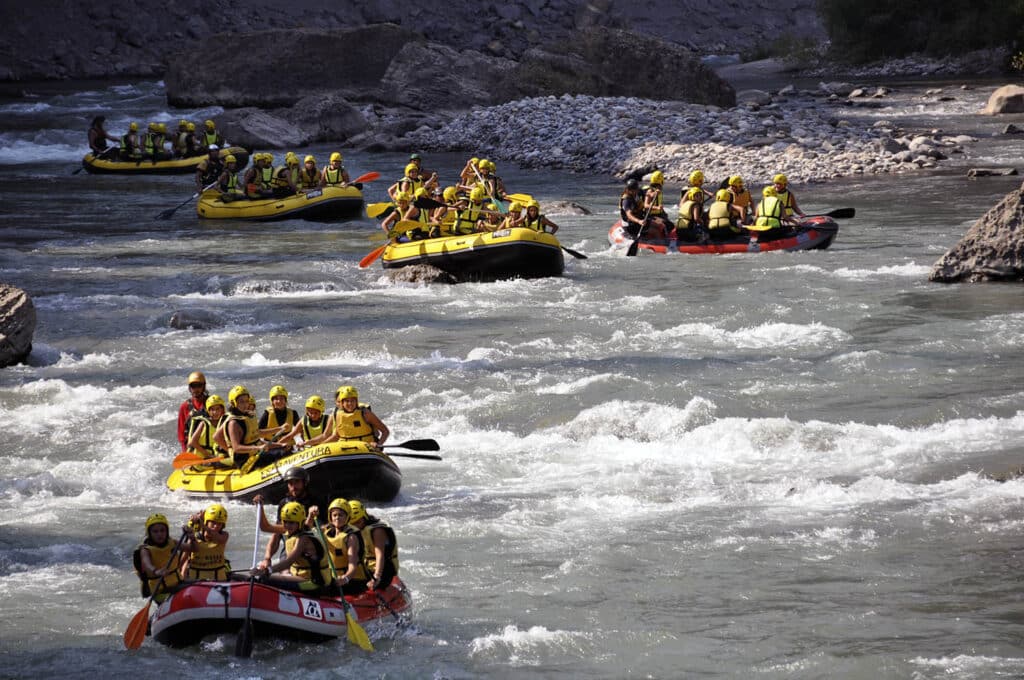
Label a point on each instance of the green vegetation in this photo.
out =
(795, 51)
(869, 30)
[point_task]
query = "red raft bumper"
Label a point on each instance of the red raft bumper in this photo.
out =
(814, 233)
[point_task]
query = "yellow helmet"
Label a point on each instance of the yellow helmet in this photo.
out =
(491, 166)
(483, 164)
(269, 158)
(696, 178)
(210, 126)
(183, 123)
(134, 127)
(411, 168)
(163, 127)
(346, 392)
(153, 127)
(780, 179)
(451, 194)
(341, 504)
(402, 196)
(156, 518)
(477, 194)
(316, 402)
(214, 400)
(736, 181)
(356, 511)
(230, 158)
(236, 392)
(769, 191)
(291, 159)
(533, 204)
(515, 206)
(420, 193)
(309, 159)
(491, 206)
(474, 161)
(191, 127)
(695, 194)
(657, 177)
(293, 512)
(723, 195)
(278, 391)
(336, 156)
(196, 377)
(216, 513)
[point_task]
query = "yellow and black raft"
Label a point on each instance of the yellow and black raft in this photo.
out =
(173, 166)
(517, 253)
(327, 203)
(348, 469)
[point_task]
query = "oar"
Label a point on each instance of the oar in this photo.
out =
(136, 631)
(366, 177)
(356, 634)
(399, 621)
(371, 256)
(416, 445)
(577, 255)
(635, 245)
(378, 209)
(501, 206)
(243, 645)
(424, 456)
(184, 460)
(166, 214)
(838, 213)
(519, 198)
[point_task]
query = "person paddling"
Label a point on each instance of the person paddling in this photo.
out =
(378, 546)
(98, 137)
(205, 544)
(194, 405)
(158, 558)
(305, 559)
(209, 169)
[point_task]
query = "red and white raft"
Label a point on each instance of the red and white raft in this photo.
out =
(813, 233)
(214, 607)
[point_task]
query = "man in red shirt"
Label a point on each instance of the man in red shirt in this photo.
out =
(195, 402)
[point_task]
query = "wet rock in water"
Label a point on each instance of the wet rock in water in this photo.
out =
(759, 97)
(256, 129)
(991, 172)
(17, 324)
(195, 319)
(565, 208)
(1012, 129)
(420, 273)
(991, 250)
(1007, 99)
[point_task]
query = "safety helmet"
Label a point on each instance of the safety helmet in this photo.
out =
(696, 178)
(769, 191)
(451, 194)
(723, 195)
(216, 513)
(293, 512)
(780, 179)
(657, 177)
(420, 193)
(269, 158)
(403, 196)
(477, 194)
(209, 125)
(230, 158)
(632, 184)
(236, 392)
(491, 206)
(356, 511)
(156, 518)
(483, 164)
(214, 400)
(296, 472)
(134, 127)
(153, 127)
(336, 156)
(309, 159)
(346, 392)
(291, 159)
(213, 147)
(316, 402)
(163, 127)
(411, 168)
(341, 504)
(278, 391)
(183, 123)
(474, 161)
(415, 157)
(191, 127)
(515, 206)
(736, 181)
(533, 204)
(196, 377)
(695, 194)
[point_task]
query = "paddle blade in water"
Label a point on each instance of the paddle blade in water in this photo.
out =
(356, 634)
(136, 631)
(633, 247)
(243, 645)
(372, 256)
(577, 255)
(417, 445)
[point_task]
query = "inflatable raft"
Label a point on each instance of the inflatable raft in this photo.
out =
(204, 608)
(345, 469)
(488, 256)
(174, 166)
(813, 233)
(320, 204)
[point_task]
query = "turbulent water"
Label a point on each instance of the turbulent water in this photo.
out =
(654, 467)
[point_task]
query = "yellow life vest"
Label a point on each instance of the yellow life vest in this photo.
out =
(205, 447)
(231, 187)
(337, 547)
(536, 224)
(656, 204)
(353, 425)
(311, 430)
(465, 221)
(207, 562)
(787, 200)
(250, 426)
(213, 138)
(290, 418)
(742, 199)
(309, 179)
(315, 568)
(334, 176)
(367, 556)
(685, 211)
(719, 216)
(769, 214)
(278, 181)
(160, 556)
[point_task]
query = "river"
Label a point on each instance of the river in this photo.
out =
(654, 467)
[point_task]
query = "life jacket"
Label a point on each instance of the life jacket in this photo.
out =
(206, 446)
(769, 214)
(742, 199)
(181, 144)
(337, 548)
(153, 144)
(719, 216)
(353, 426)
(160, 557)
(623, 214)
(210, 171)
(311, 430)
(290, 418)
(207, 562)
(656, 205)
(366, 554)
(685, 212)
(315, 568)
(465, 222)
(787, 200)
(334, 177)
(307, 179)
(212, 138)
(536, 224)
(129, 143)
(194, 412)
(290, 177)
(250, 427)
(408, 184)
(232, 186)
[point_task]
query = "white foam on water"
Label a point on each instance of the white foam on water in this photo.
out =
(526, 647)
(909, 270)
(41, 147)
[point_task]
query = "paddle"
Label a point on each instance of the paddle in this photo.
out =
(399, 621)
(838, 213)
(416, 445)
(520, 198)
(378, 209)
(635, 245)
(243, 645)
(136, 631)
(577, 255)
(424, 456)
(184, 460)
(490, 194)
(356, 634)
(371, 256)
(366, 177)
(166, 214)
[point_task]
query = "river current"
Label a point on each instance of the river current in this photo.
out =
(655, 467)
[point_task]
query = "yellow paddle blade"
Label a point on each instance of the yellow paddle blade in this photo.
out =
(185, 460)
(136, 631)
(356, 634)
(377, 209)
(519, 198)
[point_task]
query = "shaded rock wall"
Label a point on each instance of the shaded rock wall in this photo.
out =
(17, 324)
(991, 250)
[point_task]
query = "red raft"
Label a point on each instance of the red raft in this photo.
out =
(813, 233)
(206, 608)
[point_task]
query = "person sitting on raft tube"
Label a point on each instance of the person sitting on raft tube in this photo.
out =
(296, 478)
(724, 218)
(631, 210)
(306, 558)
(515, 216)
(313, 424)
(696, 179)
(343, 548)
(259, 177)
(153, 143)
(98, 137)
(335, 174)
(158, 559)
(278, 420)
(286, 177)
(741, 198)
(414, 213)
(204, 545)
(403, 201)
(309, 175)
(408, 183)
(203, 426)
(353, 421)
(786, 196)
(771, 221)
(534, 220)
(653, 197)
(378, 547)
(209, 169)
(196, 403)
(131, 149)
(240, 434)
(690, 225)
(210, 136)
(227, 183)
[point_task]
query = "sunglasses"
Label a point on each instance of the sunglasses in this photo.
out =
(197, 384)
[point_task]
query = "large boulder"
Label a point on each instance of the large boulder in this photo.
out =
(17, 324)
(325, 118)
(249, 70)
(429, 76)
(1007, 99)
(991, 250)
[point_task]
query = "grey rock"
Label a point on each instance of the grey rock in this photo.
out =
(1012, 129)
(329, 118)
(991, 172)
(430, 76)
(839, 89)
(991, 250)
(195, 319)
(565, 208)
(17, 325)
(759, 97)
(256, 129)
(1007, 99)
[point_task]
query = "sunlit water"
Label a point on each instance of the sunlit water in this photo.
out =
(661, 466)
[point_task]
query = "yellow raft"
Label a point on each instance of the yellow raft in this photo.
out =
(174, 166)
(489, 256)
(340, 469)
(320, 204)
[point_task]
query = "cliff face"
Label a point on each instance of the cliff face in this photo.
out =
(63, 39)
